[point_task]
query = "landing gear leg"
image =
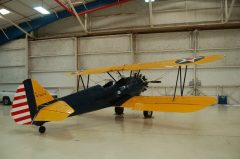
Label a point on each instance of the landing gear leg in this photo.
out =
(42, 129)
(147, 114)
(119, 110)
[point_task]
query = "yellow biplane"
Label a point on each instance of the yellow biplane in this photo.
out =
(33, 105)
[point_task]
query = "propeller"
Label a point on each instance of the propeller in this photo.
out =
(145, 79)
(154, 81)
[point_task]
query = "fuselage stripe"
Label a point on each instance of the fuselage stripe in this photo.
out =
(24, 122)
(20, 111)
(19, 97)
(23, 118)
(22, 115)
(19, 108)
(20, 90)
(19, 101)
(20, 93)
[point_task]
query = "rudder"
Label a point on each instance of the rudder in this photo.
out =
(29, 95)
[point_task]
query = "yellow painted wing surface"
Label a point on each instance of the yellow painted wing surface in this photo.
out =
(149, 65)
(59, 110)
(41, 95)
(181, 104)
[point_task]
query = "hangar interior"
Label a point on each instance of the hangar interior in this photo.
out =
(124, 32)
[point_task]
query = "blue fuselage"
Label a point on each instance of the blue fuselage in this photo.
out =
(99, 97)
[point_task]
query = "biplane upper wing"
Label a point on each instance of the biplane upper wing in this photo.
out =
(149, 65)
(181, 104)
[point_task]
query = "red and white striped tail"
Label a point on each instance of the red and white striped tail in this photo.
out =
(20, 109)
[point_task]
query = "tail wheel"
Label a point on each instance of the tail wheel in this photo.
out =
(6, 101)
(119, 110)
(148, 114)
(42, 129)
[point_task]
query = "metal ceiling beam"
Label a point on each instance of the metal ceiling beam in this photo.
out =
(146, 30)
(77, 16)
(8, 20)
(16, 21)
(51, 9)
(4, 1)
(89, 10)
(17, 13)
(150, 13)
(226, 9)
(4, 33)
(228, 13)
(27, 6)
(64, 6)
(36, 23)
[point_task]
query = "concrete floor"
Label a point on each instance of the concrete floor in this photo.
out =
(213, 133)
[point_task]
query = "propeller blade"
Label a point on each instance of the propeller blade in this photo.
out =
(154, 81)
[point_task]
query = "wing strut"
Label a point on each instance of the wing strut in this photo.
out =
(184, 80)
(82, 82)
(182, 84)
(176, 84)
(88, 80)
(111, 76)
(131, 73)
(79, 77)
(138, 73)
(78, 83)
(119, 73)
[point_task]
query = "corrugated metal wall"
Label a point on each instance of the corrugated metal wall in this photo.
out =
(50, 60)
(12, 64)
(135, 14)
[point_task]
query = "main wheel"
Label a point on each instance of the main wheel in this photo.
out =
(42, 129)
(147, 114)
(119, 110)
(6, 101)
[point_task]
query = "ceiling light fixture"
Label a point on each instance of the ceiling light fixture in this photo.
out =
(4, 11)
(41, 10)
(149, 0)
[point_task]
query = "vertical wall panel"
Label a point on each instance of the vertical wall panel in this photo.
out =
(103, 51)
(163, 46)
(227, 73)
(12, 64)
(50, 60)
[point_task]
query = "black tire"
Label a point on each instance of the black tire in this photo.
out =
(147, 114)
(6, 101)
(42, 129)
(119, 110)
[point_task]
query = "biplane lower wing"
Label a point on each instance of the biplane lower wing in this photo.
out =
(181, 104)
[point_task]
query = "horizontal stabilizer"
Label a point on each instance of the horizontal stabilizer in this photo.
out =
(28, 97)
(59, 110)
(181, 104)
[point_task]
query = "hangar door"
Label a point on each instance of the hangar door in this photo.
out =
(164, 46)
(50, 60)
(12, 64)
(104, 51)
